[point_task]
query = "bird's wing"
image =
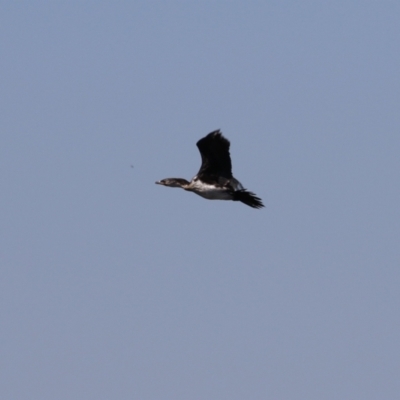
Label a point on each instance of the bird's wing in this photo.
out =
(216, 161)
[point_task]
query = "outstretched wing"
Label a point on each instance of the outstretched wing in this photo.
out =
(216, 161)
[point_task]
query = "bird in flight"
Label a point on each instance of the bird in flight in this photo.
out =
(215, 181)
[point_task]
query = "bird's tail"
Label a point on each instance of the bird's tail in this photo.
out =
(248, 198)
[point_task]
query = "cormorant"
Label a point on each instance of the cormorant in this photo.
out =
(214, 181)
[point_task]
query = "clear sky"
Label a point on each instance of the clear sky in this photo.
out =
(113, 287)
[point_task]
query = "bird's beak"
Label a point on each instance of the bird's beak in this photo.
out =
(158, 183)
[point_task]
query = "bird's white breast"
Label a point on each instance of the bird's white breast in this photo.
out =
(210, 191)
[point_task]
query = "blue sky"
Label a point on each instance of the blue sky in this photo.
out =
(115, 288)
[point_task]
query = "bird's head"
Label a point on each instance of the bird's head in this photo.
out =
(173, 182)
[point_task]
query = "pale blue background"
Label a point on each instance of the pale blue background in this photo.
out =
(115, 288)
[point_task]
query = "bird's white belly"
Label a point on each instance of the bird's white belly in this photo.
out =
(211, 192)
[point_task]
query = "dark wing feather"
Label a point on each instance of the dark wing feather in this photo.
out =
(216, 161)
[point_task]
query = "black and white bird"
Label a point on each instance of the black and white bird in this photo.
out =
(215, 181)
